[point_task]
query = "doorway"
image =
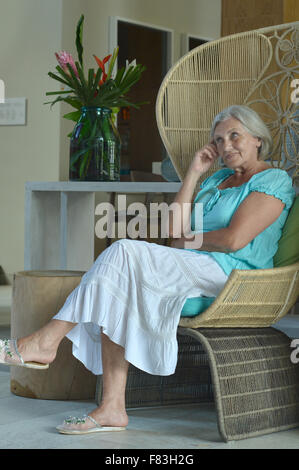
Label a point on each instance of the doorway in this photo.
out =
(152, 47)
(189, 42)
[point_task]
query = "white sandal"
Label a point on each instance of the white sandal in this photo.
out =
(68, 426)
(10, 356)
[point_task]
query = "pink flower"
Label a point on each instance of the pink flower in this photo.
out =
(65, 58)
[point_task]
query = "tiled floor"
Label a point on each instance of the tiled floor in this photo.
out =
(30, 424)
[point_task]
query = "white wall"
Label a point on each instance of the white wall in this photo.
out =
(197, 17)
(30, 32)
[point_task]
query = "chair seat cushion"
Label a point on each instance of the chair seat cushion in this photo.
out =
(288, 245)
(196, 305)
(289, 325)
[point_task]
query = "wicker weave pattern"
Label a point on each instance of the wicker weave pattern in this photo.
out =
(200, 85)
(191, 382)
(254, 68)
(253, 298)
(255, 384)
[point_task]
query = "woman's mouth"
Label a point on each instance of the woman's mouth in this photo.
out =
(229, 156)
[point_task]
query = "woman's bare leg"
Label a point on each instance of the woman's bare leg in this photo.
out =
(112, 411)
(41, 346)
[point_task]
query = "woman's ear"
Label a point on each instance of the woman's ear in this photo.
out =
(259, 146)
(259, 143)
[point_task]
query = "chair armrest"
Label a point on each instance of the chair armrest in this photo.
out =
(251, 298)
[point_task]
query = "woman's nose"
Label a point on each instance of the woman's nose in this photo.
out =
(227, 145)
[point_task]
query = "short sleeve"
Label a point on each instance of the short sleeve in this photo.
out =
(274, 182)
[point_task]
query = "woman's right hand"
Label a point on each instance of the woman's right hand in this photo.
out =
(204, 159)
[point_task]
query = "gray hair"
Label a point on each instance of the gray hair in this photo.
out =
(251, 122)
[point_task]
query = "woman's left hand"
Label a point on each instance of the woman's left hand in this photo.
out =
(186, 242)
(177, 242)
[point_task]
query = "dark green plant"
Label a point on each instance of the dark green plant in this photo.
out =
(98, 88)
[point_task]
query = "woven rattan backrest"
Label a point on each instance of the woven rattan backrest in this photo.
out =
(257, 68)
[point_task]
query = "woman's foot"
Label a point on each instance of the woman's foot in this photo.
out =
(42, 345)
(10, 355)
(108, 416)
(34, 348)
(100, 419)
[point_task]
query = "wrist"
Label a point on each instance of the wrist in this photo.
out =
(192, 176)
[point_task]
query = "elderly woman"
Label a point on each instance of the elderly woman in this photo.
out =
(128, 305)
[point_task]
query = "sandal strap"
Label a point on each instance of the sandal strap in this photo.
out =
(93, 421)
(14, 341)
(77, 420)
(8, 345)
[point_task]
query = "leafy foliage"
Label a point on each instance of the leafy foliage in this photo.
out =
(98, 88)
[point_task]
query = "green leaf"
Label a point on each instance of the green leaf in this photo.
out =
(79, 35)
(90, 78)
(84, 87)
(77, 155)
(112, 62)
(132, 75)
(57, 92)
(52, 75)
(119, 75)
(67, 77)
(73, 102)
(76, 83)
(96, 81)
(74, 116)
(85, 164)
(59, 98)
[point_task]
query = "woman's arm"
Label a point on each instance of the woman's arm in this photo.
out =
(253, 216)
(179, 217)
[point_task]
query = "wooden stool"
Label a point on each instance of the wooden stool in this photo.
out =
(37, 297)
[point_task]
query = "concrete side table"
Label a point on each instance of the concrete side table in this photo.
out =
(60, 220)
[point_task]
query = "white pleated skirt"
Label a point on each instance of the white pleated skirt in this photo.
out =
(134, 293)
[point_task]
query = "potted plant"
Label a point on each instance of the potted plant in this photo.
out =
(96, 96)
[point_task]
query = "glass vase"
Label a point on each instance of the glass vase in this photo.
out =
(95, 147)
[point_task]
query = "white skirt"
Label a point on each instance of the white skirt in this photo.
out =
(135, 292)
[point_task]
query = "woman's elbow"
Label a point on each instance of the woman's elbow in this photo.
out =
(235, 242)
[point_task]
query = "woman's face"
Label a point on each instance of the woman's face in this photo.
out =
(235, 145)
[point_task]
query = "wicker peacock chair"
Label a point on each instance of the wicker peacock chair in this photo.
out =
(230, 351)
(255, 384)
(257, 68)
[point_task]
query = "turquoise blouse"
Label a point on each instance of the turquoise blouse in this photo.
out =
(219, 205)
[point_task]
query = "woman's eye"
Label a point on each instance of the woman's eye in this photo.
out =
(234, 135)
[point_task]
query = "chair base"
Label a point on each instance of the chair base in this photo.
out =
(191, 382)
(254, 381)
